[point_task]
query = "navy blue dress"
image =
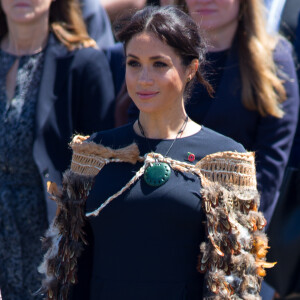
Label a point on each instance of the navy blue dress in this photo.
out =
(145, 243)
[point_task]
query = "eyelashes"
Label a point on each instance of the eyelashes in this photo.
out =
(133, 63)
(160, 64)
(156, 64)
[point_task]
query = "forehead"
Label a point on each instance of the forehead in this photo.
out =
(147, 44)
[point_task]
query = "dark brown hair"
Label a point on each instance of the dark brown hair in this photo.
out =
(65, 20)
(173, 27)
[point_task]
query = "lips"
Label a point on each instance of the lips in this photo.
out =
(205, 11)
(22, 4)
(146, 94)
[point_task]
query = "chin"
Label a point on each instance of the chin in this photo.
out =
(24, 19)
(147, 109)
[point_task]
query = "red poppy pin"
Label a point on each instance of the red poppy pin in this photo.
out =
(191, 157)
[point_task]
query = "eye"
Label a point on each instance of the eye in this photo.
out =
(133, 63)
(160, 64)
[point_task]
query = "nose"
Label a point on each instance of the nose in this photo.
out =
(145, 77)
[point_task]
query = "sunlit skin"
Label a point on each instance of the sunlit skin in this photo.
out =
(219, 18)
(28, 25)
(156, 79)
(28, 30)
(26, 11)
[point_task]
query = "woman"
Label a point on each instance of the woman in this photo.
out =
(256, 92)
(256, 100)
(52, 85)
(139, 186)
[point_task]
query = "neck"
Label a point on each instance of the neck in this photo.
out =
(161, 128)
(25, 39)
(221, 38)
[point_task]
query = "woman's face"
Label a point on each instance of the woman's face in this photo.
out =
(25, 11)
(214, 14)
(155, 76)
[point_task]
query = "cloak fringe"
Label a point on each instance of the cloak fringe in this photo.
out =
(233, 257)
(65, 237)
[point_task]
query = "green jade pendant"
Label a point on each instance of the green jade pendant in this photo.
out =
(157, 174)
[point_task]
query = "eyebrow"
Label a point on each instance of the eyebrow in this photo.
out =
(151, 58)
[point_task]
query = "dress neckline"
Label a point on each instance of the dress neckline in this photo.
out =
(160, 140)
(6, 53)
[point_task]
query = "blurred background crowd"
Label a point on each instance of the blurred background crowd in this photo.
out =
(62, 71)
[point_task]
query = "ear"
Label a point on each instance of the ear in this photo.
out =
(192, 69)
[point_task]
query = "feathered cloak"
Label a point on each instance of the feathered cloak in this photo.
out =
(233, 257)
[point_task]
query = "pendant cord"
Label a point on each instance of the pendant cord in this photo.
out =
(181, 130)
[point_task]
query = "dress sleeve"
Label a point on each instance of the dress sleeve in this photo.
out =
(275, 136)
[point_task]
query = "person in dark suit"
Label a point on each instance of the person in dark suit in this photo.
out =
(289, 20)
(53, 84)
(116, 58)
(290, 27)
(284, 16)
(251, 104)
(295, 153)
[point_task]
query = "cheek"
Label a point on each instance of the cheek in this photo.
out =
(176, 82)
(230, 8)
(45, 6)
(42, 6)
(130, 83)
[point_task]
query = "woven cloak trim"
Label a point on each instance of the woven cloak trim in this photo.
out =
(89, 158)
(223, 167)
(232, 257)
(229, 168)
